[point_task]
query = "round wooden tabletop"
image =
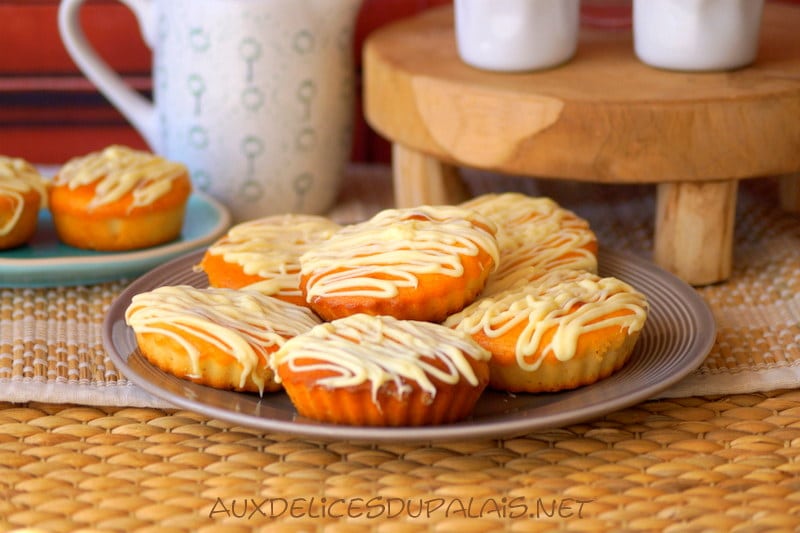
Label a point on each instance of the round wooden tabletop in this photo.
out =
(604, 116)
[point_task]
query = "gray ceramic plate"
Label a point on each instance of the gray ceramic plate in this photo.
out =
(678, 335)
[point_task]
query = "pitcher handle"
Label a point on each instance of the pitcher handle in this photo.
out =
(137, 109)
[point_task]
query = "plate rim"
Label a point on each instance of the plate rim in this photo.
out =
(439, 433)
(72, 268)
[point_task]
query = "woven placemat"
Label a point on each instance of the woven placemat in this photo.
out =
(51, 344)
(682, 465)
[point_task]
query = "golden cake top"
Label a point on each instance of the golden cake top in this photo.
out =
(380, 350)
(271, 247)
(376, 257)
(535, 235)
(566, 250)
(245, 324)
(523, 219)
(18, 177)
(570, 302)
(119, 170)
(512, 207)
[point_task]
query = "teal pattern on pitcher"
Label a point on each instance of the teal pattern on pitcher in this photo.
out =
(249, 51)
(163, 130)
(197, 87)
(201, 179)
(302, 184)
(252, 190)
(305, 94)
(303, 42)
(306, 139)
(252, 99)
(199, 39)
(198, 137)
(162, 28)
(161, 79)
(251, 147)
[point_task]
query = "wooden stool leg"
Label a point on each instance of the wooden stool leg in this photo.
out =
(694, 230)
(790, 192)
(420, 179)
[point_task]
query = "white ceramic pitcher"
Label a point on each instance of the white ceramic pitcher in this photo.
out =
(254, 96)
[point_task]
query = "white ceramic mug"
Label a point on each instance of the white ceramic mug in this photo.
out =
(697, 35)
(254, 96)
(516, 35)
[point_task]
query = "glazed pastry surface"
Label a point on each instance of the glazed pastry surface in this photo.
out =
(18, 177)
(271, 247)
(389, 251)
(535, 235)
(247, 325)
(567, 302)
(117, 171)
(378, 350)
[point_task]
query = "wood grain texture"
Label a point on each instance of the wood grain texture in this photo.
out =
(602, 117)
(694, 229)
(421, 179)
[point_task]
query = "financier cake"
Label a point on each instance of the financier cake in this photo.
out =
(535, 235)
(420, 263)
(564, 330)
(23, 191)
(119, 199)
(264, 254)
(380, 371)
(222, 338)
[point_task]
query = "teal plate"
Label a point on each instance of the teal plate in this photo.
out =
(47, 262)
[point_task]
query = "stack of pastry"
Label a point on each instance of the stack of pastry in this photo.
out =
(416, 311)
(117, 199)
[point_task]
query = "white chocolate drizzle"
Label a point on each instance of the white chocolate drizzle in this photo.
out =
(565, 249)
(245, 324)
(271, 247)
(535, 236)
(572, 302)
(377, 257)
(378, 350)
(119, 170)
(18, 177)
(521, 218)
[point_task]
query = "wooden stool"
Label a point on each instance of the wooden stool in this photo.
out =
(603, 117)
